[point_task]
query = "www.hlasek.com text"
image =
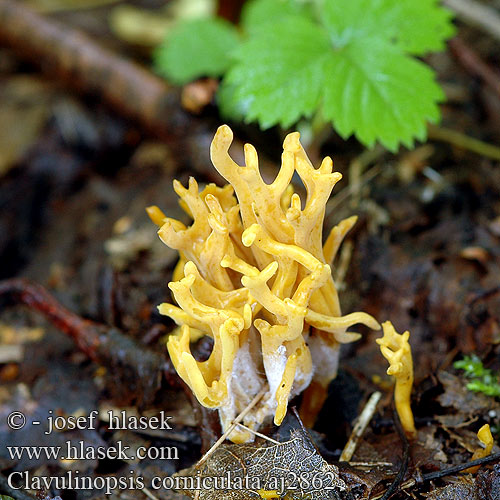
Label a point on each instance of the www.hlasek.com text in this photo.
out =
(80, 451)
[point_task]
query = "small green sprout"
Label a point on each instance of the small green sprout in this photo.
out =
(482, 379)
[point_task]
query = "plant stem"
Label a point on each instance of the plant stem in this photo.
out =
(475, 65)
(463, 141)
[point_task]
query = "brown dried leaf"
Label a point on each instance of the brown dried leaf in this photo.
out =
(294, 469)
(457, 491)
(486, 486)
(461, 399)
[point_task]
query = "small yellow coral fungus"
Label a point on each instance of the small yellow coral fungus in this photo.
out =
(486, 438)
(484, 435)
(254, 275)
(396, 349)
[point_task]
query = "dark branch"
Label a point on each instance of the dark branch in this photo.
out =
(67, 53)
(135, 370)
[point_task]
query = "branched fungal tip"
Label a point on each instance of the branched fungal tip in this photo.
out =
(255, 276)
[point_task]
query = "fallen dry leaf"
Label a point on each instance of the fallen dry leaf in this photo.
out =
(294, 469)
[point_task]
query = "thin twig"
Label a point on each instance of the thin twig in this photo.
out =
(477, 14)
(459, 439)
(483, 295)
(57, 7)
(459, 468)
(67, 53)
(474, 64)
(259, 434)
(403, 486)
(110, 347)
(149, 494)
(342, 195)
(404, 462)
(370, 464)
(357, 167)
(431, 476)
(463, 141)
(360, 427)
(234, 424)
(357, 177)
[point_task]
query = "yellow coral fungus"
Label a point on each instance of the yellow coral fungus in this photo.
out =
(396, 349)
(486, 438)
(484, 435)
(254, 275)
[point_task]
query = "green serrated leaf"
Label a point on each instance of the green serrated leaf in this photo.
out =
(416, 27)
(258, 14)
(230, 108)
(378, 93)
(349, 61)
(5, 497)
(196, 48)
(423, 26)
(279, 73)
(368, 87)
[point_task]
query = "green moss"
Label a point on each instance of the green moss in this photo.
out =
(482, 379)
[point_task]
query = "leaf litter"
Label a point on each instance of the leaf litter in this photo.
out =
(416, 268)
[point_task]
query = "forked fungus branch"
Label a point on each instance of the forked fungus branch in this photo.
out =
(255, 276)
